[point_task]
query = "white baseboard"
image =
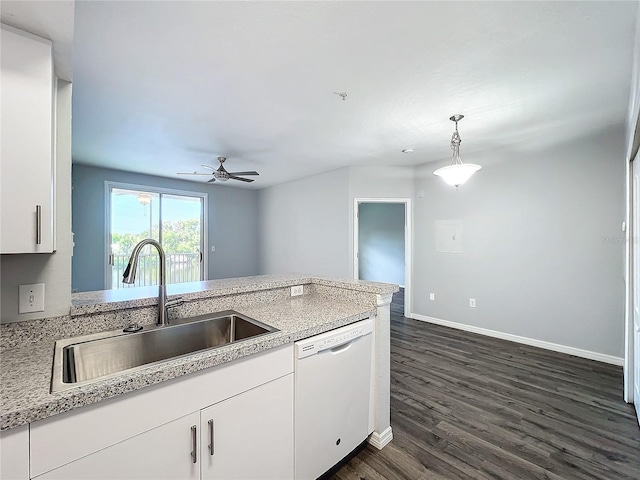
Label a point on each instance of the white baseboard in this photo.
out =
(379, 440)
(578, 352)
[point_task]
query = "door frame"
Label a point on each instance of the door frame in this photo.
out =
(408, 242)
(629, 290)
(632, 276)
(204, 222)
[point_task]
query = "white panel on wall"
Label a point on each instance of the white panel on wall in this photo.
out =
(448, 236)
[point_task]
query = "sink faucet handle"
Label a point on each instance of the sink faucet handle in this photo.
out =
(174, 303)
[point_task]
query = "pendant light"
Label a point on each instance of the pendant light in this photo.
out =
(457, 173)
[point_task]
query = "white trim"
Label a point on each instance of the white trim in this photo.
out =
(204, 221)
(384, 299)
(379, 440)
(408, 243)
(627, 371)
(578, 352)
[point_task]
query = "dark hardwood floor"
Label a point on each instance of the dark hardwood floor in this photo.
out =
(466, 406)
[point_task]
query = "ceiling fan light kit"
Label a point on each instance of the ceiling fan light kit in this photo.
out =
(221, 175)
(457, 173)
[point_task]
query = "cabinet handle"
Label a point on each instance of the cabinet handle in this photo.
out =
(38, 224)
(210, 437)
(194, 444)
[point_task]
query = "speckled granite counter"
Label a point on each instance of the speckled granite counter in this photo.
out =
(106, 300)
(25, 368)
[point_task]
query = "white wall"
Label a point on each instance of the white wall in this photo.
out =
(307, 225)
(542, 243)
(54, 270)
(304, 225)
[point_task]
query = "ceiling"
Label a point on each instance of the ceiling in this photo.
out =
(52, 20)
(162, 87)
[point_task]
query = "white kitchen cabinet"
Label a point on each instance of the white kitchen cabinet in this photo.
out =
(152, 426)
(26, 146)
(165, 452)
(250, 436)
(252, 439)
(14, 453)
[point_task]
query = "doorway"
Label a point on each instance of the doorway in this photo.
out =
(382, 242)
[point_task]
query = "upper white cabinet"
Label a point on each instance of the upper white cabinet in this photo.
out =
(26, 144)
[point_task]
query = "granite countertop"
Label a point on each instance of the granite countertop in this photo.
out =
(25, 371)
(107, 300)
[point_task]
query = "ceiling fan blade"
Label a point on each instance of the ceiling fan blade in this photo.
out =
(208, 166)
(213, 179)
(252, 172)
(192, 173)
(241, 179)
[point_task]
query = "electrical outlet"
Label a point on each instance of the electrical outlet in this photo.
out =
(472, 303)
(297, 290)
(432, 296)
(31, 298)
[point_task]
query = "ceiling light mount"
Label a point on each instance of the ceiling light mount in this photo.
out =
(457, 173)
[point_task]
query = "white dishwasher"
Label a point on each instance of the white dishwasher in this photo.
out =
(332, 385)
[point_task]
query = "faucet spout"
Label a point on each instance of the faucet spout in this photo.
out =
(129, 276)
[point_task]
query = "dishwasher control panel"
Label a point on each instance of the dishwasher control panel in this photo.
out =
(333, 338)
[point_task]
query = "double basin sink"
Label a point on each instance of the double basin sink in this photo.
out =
(81, 360)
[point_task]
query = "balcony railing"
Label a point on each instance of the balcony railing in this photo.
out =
(180, 267)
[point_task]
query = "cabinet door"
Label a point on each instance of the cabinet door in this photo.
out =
(252, 434)
(26, 150)
(14, 453)
(166, 452)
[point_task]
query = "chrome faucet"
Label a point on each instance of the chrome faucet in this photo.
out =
(129, 276)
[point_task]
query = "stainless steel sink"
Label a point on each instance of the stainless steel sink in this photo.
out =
(81, 360)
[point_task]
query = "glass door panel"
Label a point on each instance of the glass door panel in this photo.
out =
(182, 235)
(135, 215)
(175, 221)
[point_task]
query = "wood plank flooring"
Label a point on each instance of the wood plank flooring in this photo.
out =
(466, 406)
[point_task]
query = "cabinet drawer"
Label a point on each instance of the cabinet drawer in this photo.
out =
(64, 438)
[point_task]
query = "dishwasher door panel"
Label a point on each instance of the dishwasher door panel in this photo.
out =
(332, 405)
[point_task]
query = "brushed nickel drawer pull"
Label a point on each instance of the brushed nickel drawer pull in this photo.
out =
(38, 224)
(194, 444)
(210, 437)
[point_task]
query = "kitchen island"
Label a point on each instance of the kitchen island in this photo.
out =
(326, 304)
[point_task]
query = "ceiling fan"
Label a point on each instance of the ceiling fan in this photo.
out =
(221, 175)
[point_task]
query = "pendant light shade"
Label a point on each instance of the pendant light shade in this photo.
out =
(457, 173)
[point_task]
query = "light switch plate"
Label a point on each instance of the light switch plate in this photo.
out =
(31, 298)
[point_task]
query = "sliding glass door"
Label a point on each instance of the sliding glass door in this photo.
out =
(175, 219)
